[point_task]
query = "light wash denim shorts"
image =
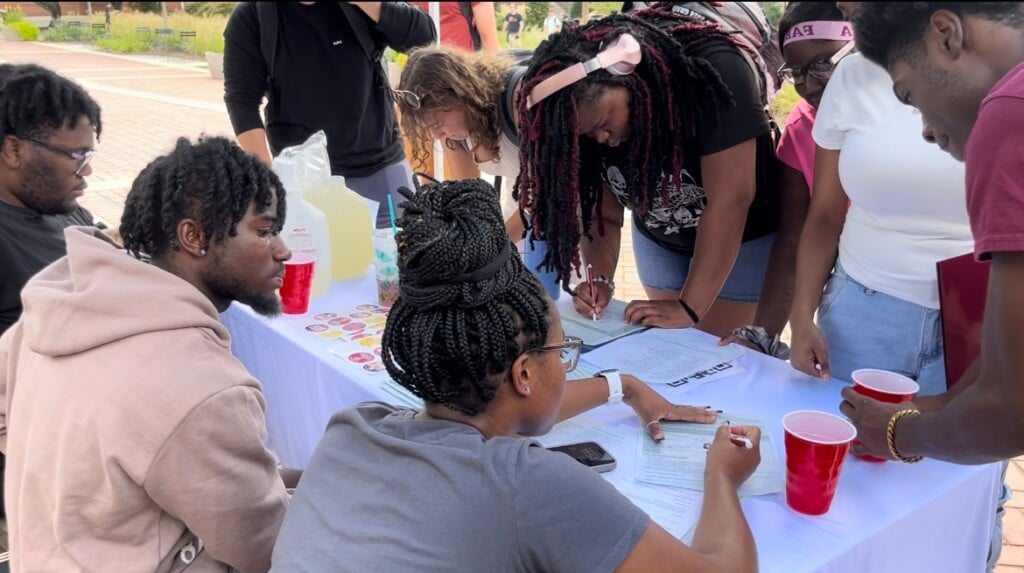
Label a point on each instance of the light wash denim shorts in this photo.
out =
(868, 329)
(662, 269)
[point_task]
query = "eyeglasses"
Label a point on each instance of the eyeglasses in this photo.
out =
(569, 351)
(820, 70)
(81, 157)
(409, 99)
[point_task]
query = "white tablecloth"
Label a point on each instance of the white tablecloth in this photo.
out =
(928, 517)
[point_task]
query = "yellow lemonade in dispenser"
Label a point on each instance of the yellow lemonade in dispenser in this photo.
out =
(351, 230)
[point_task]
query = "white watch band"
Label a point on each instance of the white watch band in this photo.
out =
(614, 380)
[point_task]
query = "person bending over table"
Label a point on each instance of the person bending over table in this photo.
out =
(671, 127)
(455, 487)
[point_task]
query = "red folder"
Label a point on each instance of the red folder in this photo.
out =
(963, 283)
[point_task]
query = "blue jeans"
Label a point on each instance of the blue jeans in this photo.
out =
(533, 256)
(662, 269)
(868, 329)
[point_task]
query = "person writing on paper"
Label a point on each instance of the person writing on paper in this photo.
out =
(474, 335)
(468, 102)
(668, 122)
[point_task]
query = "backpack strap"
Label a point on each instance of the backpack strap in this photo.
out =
(506, 117)
(357, 19)
(266, 15)
(474, 35)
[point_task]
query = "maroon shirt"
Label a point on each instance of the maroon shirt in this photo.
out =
(995, 169)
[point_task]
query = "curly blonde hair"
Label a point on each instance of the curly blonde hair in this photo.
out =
(443, 78)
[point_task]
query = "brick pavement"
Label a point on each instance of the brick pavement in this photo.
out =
(149, 101)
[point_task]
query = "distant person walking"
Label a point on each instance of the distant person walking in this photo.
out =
(552, 24)
(513, 23)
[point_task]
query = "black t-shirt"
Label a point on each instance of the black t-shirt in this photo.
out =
(675, 226)
(322, 80)
(28, 243)
(513, 20)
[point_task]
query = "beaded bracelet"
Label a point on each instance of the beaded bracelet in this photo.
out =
(890, 435)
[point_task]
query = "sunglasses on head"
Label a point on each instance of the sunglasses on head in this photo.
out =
(620, 59)
(407, 98)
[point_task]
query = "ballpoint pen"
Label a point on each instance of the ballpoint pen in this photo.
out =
(590, 282)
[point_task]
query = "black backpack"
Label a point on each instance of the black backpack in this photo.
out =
(266, 15)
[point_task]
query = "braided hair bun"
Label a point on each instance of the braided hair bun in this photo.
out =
(468, 307)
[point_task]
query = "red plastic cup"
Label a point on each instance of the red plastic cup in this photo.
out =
(884, 386)
(298, 283)
(816, 445)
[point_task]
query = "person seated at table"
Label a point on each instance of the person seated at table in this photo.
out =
(135, 438)
(456, 486)
(46, 144)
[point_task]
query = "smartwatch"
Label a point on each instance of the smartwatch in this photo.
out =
(614, 380)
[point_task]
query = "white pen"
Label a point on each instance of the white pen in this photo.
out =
(742, 441)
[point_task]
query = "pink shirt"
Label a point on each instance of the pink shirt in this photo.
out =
(995, 169)
(796, 147)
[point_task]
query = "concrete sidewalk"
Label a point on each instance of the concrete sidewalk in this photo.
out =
(150, 101)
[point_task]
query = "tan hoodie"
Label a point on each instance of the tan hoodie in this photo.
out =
(129, 427)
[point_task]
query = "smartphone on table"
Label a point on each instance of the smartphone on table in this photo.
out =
(590, 454)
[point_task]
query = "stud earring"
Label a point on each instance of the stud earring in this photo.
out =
(526, 390)
(202, 252)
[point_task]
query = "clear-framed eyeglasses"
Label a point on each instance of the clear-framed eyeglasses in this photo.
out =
(81, 158)
(569, 351)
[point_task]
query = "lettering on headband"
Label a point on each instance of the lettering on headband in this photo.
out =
(819, 30)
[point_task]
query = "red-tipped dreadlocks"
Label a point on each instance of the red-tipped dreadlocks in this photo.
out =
(668, 92)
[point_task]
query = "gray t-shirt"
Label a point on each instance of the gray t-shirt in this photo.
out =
(28, 243)
(385, 492)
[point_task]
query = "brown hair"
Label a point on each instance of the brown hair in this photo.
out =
(444, 77)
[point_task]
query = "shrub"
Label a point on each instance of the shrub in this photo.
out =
(124, 44)
(145, 7)
(27, 31)
(13, 15)
(210, 8)
(59, 34)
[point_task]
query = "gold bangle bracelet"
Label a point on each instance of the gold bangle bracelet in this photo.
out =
(890, 435)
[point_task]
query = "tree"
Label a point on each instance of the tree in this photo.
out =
(210, 8)
(773, 12)
(150, 7)
(604, 8)
(52, 7)
(535, 14)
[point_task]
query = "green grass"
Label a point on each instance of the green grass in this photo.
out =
(123, 37)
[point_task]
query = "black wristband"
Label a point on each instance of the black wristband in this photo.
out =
(689, 311)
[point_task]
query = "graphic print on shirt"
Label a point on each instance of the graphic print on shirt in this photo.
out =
(686, 199)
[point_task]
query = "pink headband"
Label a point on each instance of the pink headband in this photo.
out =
(819, 30)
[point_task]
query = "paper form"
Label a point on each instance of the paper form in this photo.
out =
(610, 326)
(679, 459)
(660, 359)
